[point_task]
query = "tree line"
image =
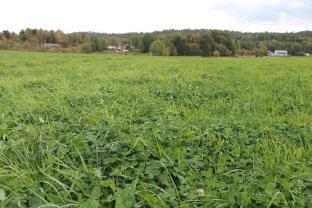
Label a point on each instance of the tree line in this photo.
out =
(162, 43)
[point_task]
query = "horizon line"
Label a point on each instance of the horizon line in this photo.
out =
(156, 31)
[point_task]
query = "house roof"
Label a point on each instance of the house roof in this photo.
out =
(52, 45)
(280, 51)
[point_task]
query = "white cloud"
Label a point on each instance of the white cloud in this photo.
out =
(139, 15)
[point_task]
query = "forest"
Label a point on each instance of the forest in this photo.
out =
(164, 43)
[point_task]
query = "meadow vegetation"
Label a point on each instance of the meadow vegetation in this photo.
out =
(141, 131)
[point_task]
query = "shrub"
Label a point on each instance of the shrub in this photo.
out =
(300, 54)
(86, 48)
(216, 53)
(158, 48)
(163, 47)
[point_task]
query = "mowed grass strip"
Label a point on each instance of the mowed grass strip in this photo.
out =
(140, 131)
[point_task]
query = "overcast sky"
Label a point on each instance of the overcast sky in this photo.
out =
(120, 16)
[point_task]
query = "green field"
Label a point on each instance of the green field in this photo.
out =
(141, 131)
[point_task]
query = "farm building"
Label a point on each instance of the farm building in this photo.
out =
(122, 49)
(111, 47)
(52, 45)
(119, 49)
(280, 53)
(270, 53)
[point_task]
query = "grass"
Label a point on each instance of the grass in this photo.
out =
(139, 131)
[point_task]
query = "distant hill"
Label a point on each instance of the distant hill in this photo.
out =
(189, 42)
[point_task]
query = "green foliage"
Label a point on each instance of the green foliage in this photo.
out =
(216, 53)
(93, 201)
(263, 49)
(162, 47)
(126, 197)
(94, 130)
(22, 35)
(6, 34)
(193, 49)
(300, 54)
(180, 42)
(2, 195)
(87, 48)
(222, 50)
(206, 43)
(158, 48)
(145, 43)
(97, 44)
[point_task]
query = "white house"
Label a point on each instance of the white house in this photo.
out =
(111, 47)
(52, 45)
(280, 53)
(270, 53)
